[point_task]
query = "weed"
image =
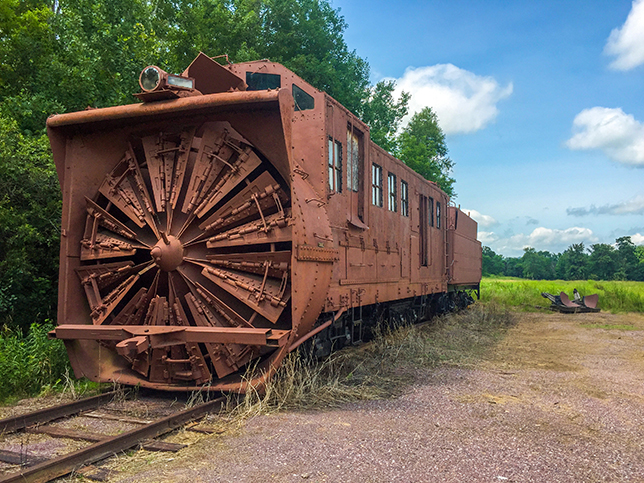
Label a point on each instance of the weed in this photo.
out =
(31, 363)
(381, 368)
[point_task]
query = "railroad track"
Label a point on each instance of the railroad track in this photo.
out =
(37, 469)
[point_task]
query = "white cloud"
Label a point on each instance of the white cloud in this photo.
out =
(634, 206)
(487, 237)
(463, 101)
(547, 237)
(541, 238)
(637, 239)
(619, 135)
(626, 43)
(484, 221)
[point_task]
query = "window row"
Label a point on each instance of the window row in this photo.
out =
(392, 191)
(377, 199)
(392, 196)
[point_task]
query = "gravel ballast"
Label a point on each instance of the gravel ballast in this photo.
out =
(560, 399)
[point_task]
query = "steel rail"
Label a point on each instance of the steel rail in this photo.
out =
(16, 423)
(48, 470)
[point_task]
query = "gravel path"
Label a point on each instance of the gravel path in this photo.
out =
(560, 400)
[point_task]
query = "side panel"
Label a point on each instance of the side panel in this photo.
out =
(464, 250)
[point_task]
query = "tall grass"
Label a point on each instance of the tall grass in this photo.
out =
(383, 367)
(30, 363)
(614, 296)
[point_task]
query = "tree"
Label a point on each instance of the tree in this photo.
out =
(603, 262)
(513, 267)
(492, 264)
(573, 263)
(538, 265)
(304, 35)
(422, 147)
(383, 114)
(30, 206)
(630, 266)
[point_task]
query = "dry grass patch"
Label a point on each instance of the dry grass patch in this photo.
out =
(383, 367)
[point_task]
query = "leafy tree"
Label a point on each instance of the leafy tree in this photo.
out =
(26, 51)
(100, 50)
(30, 207)
(573, 263)
(304, 35)
(639, 253)
(383, 114)
(422, 147)
(492, 264)
(538, 265)
(628, 261)
(603, 262)
(513, 267)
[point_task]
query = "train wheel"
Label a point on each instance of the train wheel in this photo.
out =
(192, 227)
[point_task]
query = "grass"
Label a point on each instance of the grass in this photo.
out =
(614, 296)
(382, 368)
(31, 364)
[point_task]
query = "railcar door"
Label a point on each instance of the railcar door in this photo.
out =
(355, 178)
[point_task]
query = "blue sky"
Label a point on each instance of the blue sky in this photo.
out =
(541, 102)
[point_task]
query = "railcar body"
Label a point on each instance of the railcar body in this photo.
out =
(233, 215)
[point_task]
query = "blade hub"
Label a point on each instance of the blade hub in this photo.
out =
(168, 256)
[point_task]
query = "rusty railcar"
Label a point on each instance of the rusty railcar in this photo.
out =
(232, 215)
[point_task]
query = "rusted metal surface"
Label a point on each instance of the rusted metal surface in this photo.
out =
(562, 303)
(67, 433)
(210, 220)
(464, 260)
(16, 423)
(151, 336)
(60, 466)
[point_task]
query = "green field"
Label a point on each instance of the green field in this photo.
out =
(523, 294)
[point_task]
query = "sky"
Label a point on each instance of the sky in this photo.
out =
(542, 104)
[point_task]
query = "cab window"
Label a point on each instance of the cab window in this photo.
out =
(259, 81)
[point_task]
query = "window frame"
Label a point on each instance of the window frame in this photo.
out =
(404, 198)
(306, 99)
(334, 166)
(430, 210)
(423, 230)
(260, 81)
(392, 192)
(376, 189)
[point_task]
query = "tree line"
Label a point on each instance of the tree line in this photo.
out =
(600, 261)
(59, 56)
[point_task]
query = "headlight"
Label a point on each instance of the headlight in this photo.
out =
(150, 78)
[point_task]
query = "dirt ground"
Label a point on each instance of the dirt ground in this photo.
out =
(559, 399)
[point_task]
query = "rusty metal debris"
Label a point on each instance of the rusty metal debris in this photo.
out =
(562, 303)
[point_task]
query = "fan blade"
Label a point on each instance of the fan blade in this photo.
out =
(266, 296)
(235, 174)
(278, 262)
(262, 197)
(273, 229)
(125, 188)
